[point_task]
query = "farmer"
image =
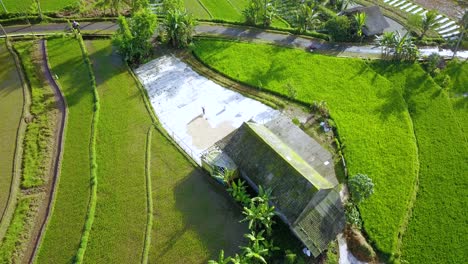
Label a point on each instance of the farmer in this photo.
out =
(76, 26)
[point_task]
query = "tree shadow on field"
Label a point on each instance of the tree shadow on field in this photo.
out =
(210, 212)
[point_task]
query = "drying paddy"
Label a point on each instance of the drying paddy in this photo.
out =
(179, 96)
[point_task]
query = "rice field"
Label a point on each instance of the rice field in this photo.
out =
(11, 108)
(194, 218)
(438, 219)
(56, 5)
(371, 115)
(15, 6)
(118, 230)
(194, 7)
(63, 233)
(23, 6)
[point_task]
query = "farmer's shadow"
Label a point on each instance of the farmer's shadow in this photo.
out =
(208, 210)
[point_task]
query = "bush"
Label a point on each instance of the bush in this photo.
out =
(339, 28)
(361, 187)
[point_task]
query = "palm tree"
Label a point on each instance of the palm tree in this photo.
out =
(360, 19)
(463, 23)
(429, 21)
(307, 16)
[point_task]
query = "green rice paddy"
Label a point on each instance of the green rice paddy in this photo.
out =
(439, 216)
(11, 108)
(118, 230)
(65, 226)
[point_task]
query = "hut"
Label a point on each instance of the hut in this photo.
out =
(305, 200)
(375, 21)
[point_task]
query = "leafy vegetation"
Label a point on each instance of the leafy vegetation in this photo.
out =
(133, 38)
(438, 217)
(15, 230)
(371, 116)
(11, 108)
(120, 221)
(193, 218)
(39, 130)
(179, 28)
(65, 226)
(361, 187)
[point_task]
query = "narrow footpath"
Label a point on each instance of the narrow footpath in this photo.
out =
(44, 214)
(238, 32)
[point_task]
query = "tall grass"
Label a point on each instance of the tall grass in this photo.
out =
(371, 115)
(15, 231)
(62, 237)
(38, 137)
(439, 216)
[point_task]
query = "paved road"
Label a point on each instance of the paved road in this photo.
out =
(246, 33)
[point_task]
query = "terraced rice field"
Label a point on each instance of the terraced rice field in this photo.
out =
(22, 6)
(191, 211)
(439, 217)
(194, 7)
(119, 227)
(11, 108)
(55, 5)
(15, 6)
(371, 116)
(65, 226)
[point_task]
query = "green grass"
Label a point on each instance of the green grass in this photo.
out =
(11, 108)
(194, 7)
(118, 231)
(434, 233)
(15, 230)
(38, 137)
(64, 230)
(371, 116)
(194, 218)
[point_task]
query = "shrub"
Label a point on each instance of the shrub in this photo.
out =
(339, 28)
(361, 187)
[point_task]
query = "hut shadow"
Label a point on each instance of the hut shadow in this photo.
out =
(210, 212)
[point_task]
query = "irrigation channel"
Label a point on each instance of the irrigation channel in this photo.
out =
(61, 120)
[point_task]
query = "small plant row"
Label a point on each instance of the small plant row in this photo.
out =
(149, 196)
(92, 150)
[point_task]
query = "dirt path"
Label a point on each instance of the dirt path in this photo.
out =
(46, 207)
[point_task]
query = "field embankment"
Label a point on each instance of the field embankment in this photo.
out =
(437, 227)
(371, 115)
(118, 232)
(63, 233)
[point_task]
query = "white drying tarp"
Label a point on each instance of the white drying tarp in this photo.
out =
(178, 96)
